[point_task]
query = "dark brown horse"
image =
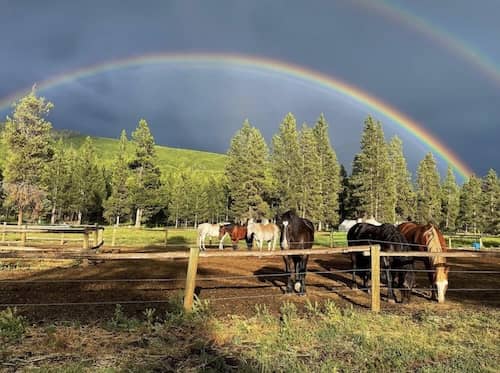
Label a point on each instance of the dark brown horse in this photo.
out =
(296, 233)
(399, 271)
(237, 233)
(429, 238)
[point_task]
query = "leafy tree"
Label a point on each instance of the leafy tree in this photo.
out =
(491, 202)
(450, 200)
(285, 162)
(347, 208)
(28, 147)
(469, 216)
(428, 191)
(311, 181)
(145, 183)
(118, 203)
(372, 178)
(403, 188)
(329, 172)
(246, 172)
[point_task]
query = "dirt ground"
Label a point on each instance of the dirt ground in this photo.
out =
(233, 286)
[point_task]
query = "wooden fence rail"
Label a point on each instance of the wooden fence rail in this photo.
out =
(7, 252)
(85, 230)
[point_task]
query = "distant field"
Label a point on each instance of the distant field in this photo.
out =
(168, 158)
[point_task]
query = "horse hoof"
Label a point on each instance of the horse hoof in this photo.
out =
(392, 301)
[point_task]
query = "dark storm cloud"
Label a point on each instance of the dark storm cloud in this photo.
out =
(448, 95)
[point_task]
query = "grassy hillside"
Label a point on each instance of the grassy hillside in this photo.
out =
(169, 158)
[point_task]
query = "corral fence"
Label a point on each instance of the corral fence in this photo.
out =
(91, 235)
(194, 254)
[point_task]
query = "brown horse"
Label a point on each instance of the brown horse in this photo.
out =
(429, 238)
(237, 233)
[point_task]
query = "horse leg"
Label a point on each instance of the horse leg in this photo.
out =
(432, 275)
(288, 266)
(390, 291)
(354, 267)
(302, 273)
(221, 246)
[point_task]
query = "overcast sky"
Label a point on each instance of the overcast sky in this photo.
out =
(404, 63)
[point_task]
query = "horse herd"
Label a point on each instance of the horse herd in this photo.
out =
(294, 232)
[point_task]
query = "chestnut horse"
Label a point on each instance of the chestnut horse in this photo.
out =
(237, 233)
(429, 238)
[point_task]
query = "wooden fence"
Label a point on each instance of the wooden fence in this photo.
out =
(26, 231)
(8, 252)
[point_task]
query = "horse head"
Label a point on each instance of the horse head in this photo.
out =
(434, 240)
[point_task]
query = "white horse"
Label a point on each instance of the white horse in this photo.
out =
(210, 230)
(264, 232)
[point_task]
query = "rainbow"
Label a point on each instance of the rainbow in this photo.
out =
(437, 35)
(268, 66)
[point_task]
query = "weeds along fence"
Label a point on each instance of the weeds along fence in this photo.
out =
(61, 234)
(192, 268)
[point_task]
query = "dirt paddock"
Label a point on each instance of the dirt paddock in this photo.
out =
(232, 285)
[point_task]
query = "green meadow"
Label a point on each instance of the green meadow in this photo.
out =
(169, 159)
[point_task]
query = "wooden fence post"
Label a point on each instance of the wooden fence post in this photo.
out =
(113, 237)
(166, 235)
(4, 229)
(191, 278)
(96, 235)
(23, 235)
(375, 260)
(480, 242)
(449, 242)
(85, 239)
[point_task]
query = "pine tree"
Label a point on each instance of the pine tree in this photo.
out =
(310, 205)
(285, 160)
(372, 179)
(469, 216)
(145, 183)
(402, 186)
(28, 148)
(428, 191)
(118, 203)
(491, 202)
(450, 201)
(329, 173)
(57, 178)
(87, 184)
(246, 172)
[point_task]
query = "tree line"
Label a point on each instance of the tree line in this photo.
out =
(43, 179)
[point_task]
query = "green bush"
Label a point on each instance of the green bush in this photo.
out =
(12, 325)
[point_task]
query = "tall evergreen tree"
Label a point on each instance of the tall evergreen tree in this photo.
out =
(310, 202)
(329, 172)
(87, 184)
(246, 172)
(402, 186)
(372, 179)
(491, 202)
(28, 148)
(57, 179)
(145, 183)
(285, 160)
(450, 201)
(428, 191)
(469, 216)
(118, 203)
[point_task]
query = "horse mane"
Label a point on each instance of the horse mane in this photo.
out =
(433, 243)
